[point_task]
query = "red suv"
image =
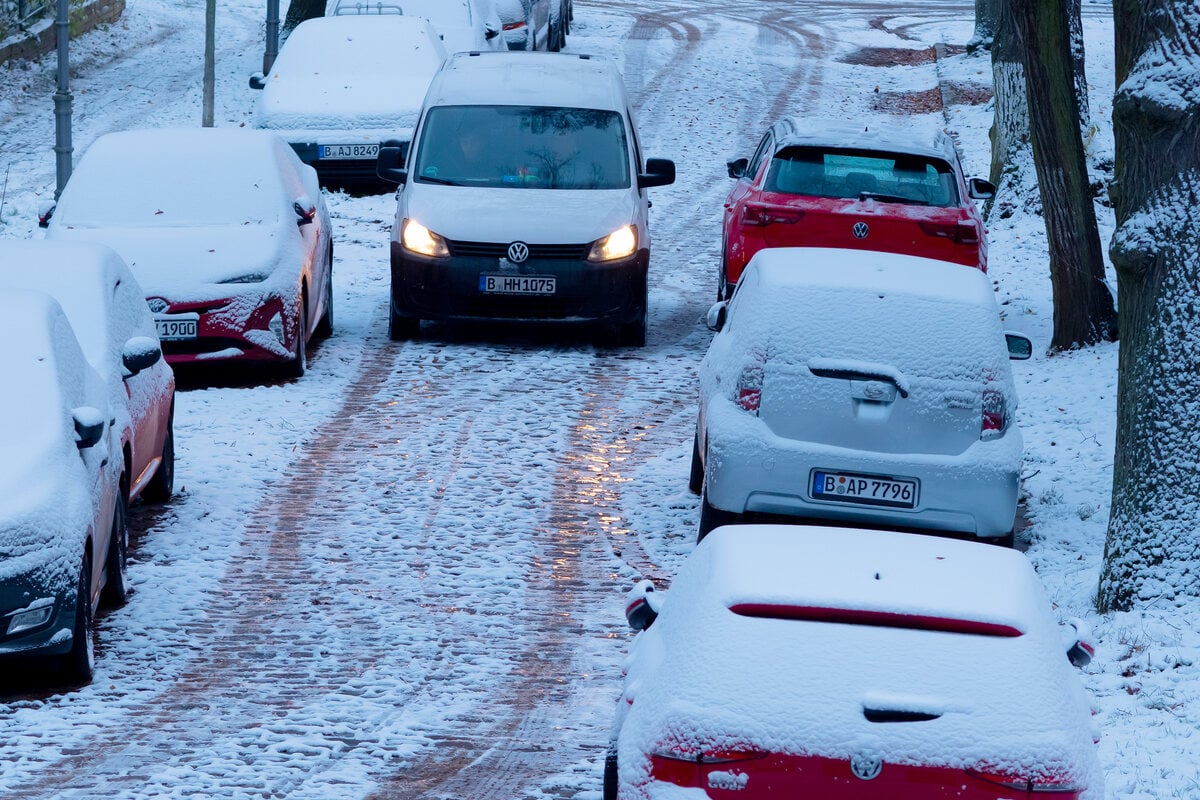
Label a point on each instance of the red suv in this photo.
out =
(851, 187)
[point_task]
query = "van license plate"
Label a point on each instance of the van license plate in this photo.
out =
(343, 151)
(871, 490)
(538, 285)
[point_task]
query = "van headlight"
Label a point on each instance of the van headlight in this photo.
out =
(621, 243)
(416, 238)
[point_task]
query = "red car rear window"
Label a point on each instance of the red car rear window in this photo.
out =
(878, 619)
(851, 174)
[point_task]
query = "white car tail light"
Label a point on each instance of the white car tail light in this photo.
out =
(747, 392)
(995, 414)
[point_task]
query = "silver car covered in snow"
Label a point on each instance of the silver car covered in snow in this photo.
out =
(860, 387)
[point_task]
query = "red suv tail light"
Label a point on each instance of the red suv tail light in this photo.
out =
(686, 769)
(1062, 789)
(995, 414)
(759, 214)
(961, 232)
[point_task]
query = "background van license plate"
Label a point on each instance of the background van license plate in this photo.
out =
(518, 284)
(174, 329)
(328, 151)
(871, 490)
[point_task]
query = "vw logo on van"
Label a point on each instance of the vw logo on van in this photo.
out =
(518, 252)
(157, 305)
(860, 230)
(866, 768)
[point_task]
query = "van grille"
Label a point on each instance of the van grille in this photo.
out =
(539, 252)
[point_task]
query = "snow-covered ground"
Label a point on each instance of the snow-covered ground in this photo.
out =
(401, 576)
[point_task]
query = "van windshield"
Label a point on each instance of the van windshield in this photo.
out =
(523, 147)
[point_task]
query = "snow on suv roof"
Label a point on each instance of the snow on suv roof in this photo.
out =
(837, 134)
(528, 79)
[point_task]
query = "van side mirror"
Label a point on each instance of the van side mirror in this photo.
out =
(45, 213)
(737, 167)
(89, 426)
(659, 172)
(1020, 346)
(389, 162)
(1083, 649)
(642, 605)
(306, 210)
(979, 189)
(141, 352)
(717, 315)
(258, 81)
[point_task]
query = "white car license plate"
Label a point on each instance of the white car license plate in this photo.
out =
(542, 285)
(343, 151)
(177, 327)
(871, 490)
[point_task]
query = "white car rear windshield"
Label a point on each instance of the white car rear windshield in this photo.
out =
(876, 619)
(890, 177)
(523, 147)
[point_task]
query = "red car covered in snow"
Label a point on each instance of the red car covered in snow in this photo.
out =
(813, 185)
(851, 664)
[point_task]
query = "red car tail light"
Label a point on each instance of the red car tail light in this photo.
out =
(995, 414)
(748, 393)
(686, 769)
(961, 232)
(1066, 789)
(759, 214)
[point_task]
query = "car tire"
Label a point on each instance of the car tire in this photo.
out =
(696, 477)
(713, 518)
(1008, 540)
(609, 790)
(633, 334)
(162, 485)
(566, 20)
(401, 329)
(325, 325)
(78, 665)
(116, 564)
(299, 362)
(555, 36)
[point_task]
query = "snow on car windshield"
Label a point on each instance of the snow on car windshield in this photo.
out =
(524, 147)
(439, 12)
(848, 174)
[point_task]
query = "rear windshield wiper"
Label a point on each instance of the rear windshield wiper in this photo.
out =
(891, 198)
(853, 371)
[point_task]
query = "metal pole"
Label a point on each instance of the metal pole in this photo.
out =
(272, 35)
(62, 101)
(210, 58)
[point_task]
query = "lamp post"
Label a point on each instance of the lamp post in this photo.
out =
(62, 101)
(210, 58)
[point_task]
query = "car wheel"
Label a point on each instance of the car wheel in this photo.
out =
(696, 478)
(1008, 540)
(116, 565)
(401, 329)
(566, 18)
(713, 518)
(610, 775)
(162, 485)
(78, 665)
(325, 325)
(633, 334)
(555, 36)
(299, 363)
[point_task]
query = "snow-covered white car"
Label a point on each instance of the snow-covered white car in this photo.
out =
(462, 25)
(860, 386)
(851, 664)
(62, 517)
(107, 309)
(342, 85)
(533, 24)
(225, 229)
(524, 198)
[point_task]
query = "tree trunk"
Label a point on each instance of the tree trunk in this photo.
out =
(300, 10)
(1083, 304)
(1077, 62)
(985, 25)
(1012, 160)
(1153, 546)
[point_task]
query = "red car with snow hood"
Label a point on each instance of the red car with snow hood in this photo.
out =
(851, 664)
(810, 185)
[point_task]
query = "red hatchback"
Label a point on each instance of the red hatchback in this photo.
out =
(844, 664)
(850, 187)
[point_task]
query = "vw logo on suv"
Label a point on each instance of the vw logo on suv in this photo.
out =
(518, 252)
(865, 767)
(157, 305)
(861, 230)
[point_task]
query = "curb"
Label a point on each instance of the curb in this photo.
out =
(41, 38)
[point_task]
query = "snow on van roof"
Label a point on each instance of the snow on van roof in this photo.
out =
(705, 674)
(887, 136)
(529, 79)
(351, 72)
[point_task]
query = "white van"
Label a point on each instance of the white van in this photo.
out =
(523, 197)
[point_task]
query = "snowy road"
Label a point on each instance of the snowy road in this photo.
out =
(401, 576)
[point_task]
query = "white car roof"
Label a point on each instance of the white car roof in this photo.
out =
(808, 684)
(529, 79)
(817, 132)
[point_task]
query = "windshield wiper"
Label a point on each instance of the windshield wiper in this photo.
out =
(439, 181)
(891, 198)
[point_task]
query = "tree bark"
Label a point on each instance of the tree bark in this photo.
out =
(985, 25)
(1012, 160)
(300, 10)
(1152, 552)
(1083, 303)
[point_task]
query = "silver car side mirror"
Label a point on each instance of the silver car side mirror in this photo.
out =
(1020, 346)
(716, 316)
